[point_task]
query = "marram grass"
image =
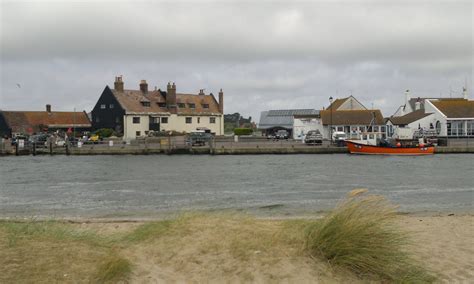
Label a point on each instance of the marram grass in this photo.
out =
(360, 235)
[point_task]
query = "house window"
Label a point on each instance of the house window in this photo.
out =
(376, 129)
(438, 127)
(470, 128)
(382, 129)
(189, 120)
(340, 128)
(192, 105)
(199, 120)
(136, 120)
(117, 119)
(181, 105)
(164, 120)
(212, 120)
(138, 133)
(162, 105)
(146, 104)
(362, 128)
(455, 128)
(97, 119)
(205, 105)
(111, 106)
(102, 106)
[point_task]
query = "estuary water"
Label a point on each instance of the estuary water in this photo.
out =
(266, 185)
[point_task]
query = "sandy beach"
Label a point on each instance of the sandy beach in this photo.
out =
(227, 248)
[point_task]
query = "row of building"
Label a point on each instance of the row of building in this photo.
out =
(437, 117)
(135, 112)
(129, 112)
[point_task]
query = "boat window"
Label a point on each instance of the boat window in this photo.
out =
(364, 137)
(371, 136)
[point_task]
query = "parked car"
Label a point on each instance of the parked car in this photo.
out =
(19, 137)
(313, 137)
(39, 139)
(282, 134)
(198, 138)
(339, 138)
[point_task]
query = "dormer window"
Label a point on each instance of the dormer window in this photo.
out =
(205, 106)
(192, 105)
(162, 105)
(181, 105)
(146, 104)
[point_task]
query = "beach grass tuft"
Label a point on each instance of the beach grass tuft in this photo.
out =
(360, 235)
(114, 269)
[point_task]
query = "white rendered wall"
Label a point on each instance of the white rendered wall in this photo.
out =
(131, 128)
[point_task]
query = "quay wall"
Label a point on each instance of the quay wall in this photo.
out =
(130, 150)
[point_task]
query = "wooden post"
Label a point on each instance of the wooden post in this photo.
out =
(169, 144)
(34, 148)
(50, 146)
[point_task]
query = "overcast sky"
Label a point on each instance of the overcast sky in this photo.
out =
(263, 55)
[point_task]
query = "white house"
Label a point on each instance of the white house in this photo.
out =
(448, 117)
(452, 117)
(404, 127)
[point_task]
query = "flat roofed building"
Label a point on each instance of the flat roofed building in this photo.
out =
(274, 120)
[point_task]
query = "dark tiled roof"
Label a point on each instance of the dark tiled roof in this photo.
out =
(351, 117)
(408, 118)
(131, 101)
(30, 121)
(455, 108)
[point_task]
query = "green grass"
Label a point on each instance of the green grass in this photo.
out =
(360, 235)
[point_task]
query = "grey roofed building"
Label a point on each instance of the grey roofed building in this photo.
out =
(281, 119)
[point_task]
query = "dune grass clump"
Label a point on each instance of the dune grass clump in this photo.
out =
(360, 235)
(114, 269)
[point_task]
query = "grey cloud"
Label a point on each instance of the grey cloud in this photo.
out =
(264, 55)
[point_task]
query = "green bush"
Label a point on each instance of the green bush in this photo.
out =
(243, 131)
(105, 132)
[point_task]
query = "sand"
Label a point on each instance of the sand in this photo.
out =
(213, 253)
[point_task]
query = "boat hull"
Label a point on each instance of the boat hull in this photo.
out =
(358, 148)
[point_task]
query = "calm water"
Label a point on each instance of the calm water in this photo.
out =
(142, 186)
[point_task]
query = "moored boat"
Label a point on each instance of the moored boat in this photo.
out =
(361, 148)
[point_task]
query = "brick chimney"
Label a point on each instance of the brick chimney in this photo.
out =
(201, 92)
(464, 93)
(171, 96)
(143, 86)
(48, 108)
(118, 84)
(221, 101)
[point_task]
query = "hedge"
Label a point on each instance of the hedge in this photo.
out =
(243, 131)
